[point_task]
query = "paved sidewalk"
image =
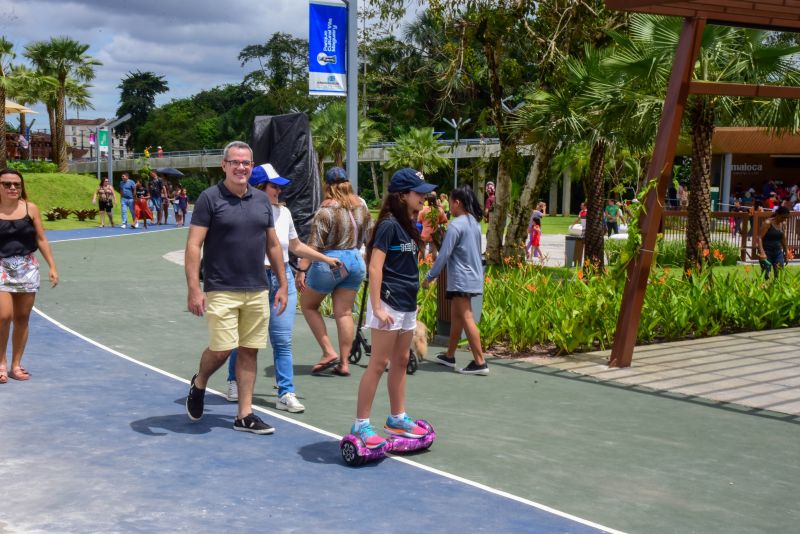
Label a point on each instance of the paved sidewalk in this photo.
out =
(758, 370)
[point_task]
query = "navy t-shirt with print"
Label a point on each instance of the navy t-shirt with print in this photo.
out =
(400, 270)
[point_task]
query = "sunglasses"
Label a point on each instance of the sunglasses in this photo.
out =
(9, 185)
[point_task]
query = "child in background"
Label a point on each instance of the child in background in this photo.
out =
(534, 239)
(392, 306)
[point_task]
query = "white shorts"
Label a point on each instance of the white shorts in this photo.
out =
(404, 321)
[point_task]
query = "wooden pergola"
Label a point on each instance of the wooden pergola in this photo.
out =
(777, 15)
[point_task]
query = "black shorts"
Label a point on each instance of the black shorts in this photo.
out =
(106, 206)
(449, 295)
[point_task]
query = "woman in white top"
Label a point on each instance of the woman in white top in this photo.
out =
(266, 179)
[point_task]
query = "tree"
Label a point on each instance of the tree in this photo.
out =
(418, 149)
(29, 87)
(6, 55)
(330, 136)
(727, 54)
(282, 60)
(138, 97)
(62, 58)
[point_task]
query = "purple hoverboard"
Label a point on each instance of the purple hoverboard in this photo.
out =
(355, 453)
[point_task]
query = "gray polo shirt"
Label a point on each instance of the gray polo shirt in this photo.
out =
(461, 252)
(234, 247)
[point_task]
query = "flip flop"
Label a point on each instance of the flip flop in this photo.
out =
(3, 375)
(338, 371)
(19, 374)
(324, 366)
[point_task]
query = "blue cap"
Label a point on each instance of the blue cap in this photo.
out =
(336, 174)
(266, 173)
(410, 180)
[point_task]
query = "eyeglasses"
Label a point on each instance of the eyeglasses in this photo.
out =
(9, 185)
(239, 162)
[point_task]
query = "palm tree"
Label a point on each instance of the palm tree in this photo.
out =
(588, 108)
(328, 130)
(727, 54)
(419, 148)
(62, 58)
(28, 88)
(6, 55)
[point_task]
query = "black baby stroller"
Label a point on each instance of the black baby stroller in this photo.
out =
(360, 344)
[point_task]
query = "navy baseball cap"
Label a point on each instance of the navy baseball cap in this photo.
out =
(336, 174)
(266, 173)
(410, 180)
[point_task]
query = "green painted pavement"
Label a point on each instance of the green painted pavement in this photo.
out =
(624, 457)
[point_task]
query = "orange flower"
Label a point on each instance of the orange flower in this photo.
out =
(705, 252)
(531, 288)
(488, 280)
(747, 269)
(580, 275)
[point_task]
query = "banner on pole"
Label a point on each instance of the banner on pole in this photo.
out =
(327, 48)
(102, 138)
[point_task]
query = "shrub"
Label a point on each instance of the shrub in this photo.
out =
(525, 305)
(671, 253)
(33, 165)
(83, 215)
(62, 213)
(194, 186)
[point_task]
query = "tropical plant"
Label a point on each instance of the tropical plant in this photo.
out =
(419, 149)
(328, 131)
(63, 58)
(727, 54)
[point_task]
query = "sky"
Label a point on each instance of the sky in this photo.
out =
(193, 44)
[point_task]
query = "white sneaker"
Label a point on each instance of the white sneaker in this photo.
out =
(233, 391)
(136, 225)
(289, 403)
(123, 225)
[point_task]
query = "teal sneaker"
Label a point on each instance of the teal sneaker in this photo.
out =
(405, 427)
(368, 437)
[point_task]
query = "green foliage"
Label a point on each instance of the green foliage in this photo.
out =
(33, 166)
(138, 97)
(194, 186)
(672, 253)
(418, 149)
(526, 305)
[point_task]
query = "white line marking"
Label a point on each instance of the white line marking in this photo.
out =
(433, 470)
(56, 240)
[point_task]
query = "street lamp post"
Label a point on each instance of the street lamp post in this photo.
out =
(456, 124)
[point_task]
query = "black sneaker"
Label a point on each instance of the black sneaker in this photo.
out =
(252, 423)
(442, 359)
(475, 369)
(195, 401)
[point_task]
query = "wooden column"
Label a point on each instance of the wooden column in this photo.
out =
(660, 169)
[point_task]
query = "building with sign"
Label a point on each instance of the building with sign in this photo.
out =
(81, 143)
(746, 157)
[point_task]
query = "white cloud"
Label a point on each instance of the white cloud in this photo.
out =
(193, 44)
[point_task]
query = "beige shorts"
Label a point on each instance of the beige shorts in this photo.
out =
(237, 319)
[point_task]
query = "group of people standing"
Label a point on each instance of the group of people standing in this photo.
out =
(245, 295)
(149, 203)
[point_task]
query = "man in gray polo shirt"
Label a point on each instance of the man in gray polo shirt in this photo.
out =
(232, 223)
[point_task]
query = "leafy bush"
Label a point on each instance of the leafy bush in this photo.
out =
(32, 165)
(62, 213)
(194, 186)
(671, 253)
(525, 305)
(83, 215)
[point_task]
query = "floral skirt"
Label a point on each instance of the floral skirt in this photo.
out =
(19, 274)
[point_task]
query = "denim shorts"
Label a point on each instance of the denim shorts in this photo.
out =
(322, 279)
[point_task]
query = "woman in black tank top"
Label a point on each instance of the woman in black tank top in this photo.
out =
(773, 249)
(21, 234)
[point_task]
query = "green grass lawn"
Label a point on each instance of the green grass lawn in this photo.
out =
(71, 191)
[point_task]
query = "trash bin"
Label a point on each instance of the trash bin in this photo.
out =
(573, 250)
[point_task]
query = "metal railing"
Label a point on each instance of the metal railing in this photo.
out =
(733, 227)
